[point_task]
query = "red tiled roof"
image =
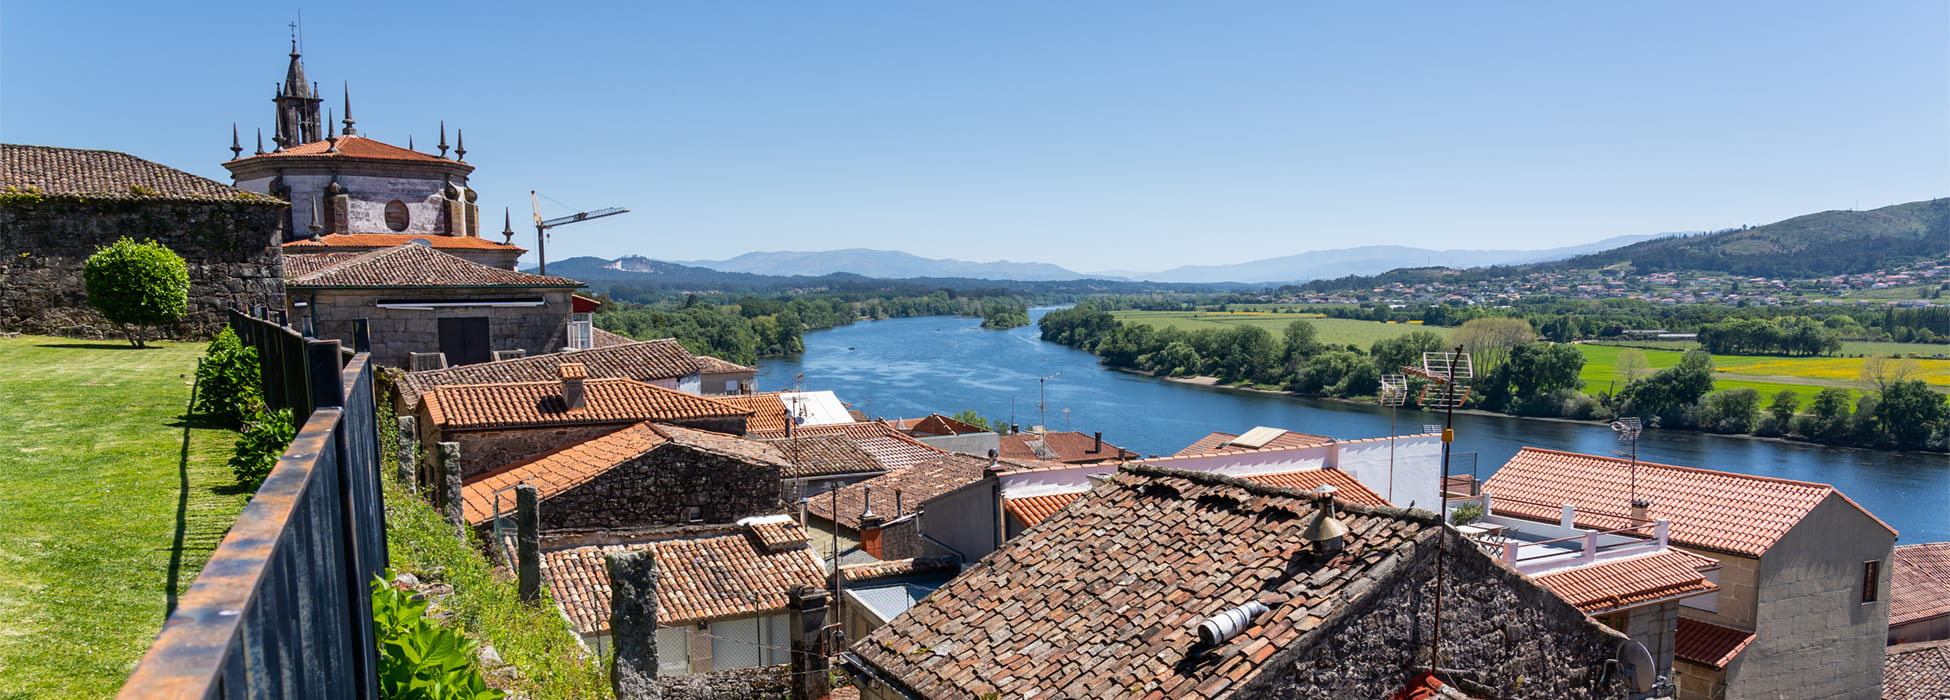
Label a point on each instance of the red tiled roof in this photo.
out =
(935, 424)
(1030, 510)
(897, 451)
(893, 449)
(1220, 443)
(644, 361)
(825, 455)
(299, 265)
(1919, 586)
(565, 468)
(897, 568)
(1919, 671)
(388, 240)
(1718, 511)
(413, 266)
(1425, 686)
(720, 576)
(711, 365)
(769, 415)
(916, 485)
(355, 148)
(606, 339)
(1065, 446)
(1346, 488)
(1709, 644)
(527, 404)
(93, 174)
(1624, 583)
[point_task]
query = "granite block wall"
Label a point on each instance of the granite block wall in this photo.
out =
(397, 332)
(660, 486)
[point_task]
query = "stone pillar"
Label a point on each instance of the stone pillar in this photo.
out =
(808, 606)
(633, 625)
(409, 454)
(450, 493)
(528, 544)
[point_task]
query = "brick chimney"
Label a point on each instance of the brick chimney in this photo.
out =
(1099, 446)
(572, 393)
(1639, 508)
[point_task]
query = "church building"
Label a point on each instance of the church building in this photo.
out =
(352, 194)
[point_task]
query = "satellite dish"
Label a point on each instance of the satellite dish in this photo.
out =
(1640, 674)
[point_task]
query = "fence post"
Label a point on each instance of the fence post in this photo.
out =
(528, 544)
(409, 454)
(362, 335)
(450, 494)
(633, 625)
(322, 365)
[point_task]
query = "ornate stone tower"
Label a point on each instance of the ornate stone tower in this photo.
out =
(297, 102)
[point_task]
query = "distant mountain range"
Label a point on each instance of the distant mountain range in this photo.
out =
(1813, 245)
(1373, 259)
(886, 264)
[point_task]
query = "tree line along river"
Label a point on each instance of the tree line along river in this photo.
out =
(915, 366)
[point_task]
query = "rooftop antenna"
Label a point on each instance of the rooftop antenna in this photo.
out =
(1042, 403)
(541, 226)
(1394, 393)
(1628, 431)
(1445, 371)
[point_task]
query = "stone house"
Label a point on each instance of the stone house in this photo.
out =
(58, 205)
(661, 363)
(1801, 606)
(420, 300)
(643, 476)
(1164, 583)
(721, 590)
(501, 424)
(1919, 593)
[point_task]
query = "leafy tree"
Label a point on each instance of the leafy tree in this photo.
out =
(1532, 372)
(1301, 340)
(1908, 411)
(1243, 354)
(1392, 354)
(1488, 340)
(228, 381)
(1631, 365)
(1784, 406)
(137, 285)
(1672, 389)
(1175, 360)
(1730, 411)
(969, 416)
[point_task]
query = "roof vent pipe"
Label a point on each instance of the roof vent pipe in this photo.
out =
(993, 455)
(1226, 625)
(1099, 446)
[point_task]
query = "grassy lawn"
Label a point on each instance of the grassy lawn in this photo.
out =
(1767, 375)
(112, 504)
(1849, 347)
(1338, 331)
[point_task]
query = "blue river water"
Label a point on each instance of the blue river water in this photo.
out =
(915, 366)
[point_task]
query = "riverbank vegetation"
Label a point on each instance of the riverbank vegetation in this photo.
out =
(752, 327)
(1517, 374)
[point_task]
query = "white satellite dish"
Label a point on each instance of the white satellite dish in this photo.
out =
(1640, 673)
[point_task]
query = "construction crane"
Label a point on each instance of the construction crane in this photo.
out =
(542, 227)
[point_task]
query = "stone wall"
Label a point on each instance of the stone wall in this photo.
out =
(397, 332)
(660, 486)
(1814, 637)
(230, 247)
(1734, 604)
(756, 683)
(488, 450)
(1503, 635)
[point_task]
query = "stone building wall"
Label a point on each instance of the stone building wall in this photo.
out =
(658, 488)
(1734, 605)
(1505, 636)
(230, 248)
(488, 450)
(398, 332)
(1814, 637)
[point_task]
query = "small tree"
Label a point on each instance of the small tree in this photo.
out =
(137, 285)
(1784, 406)
(227, 381)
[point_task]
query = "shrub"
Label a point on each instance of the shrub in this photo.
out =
(1466, 513)
(418, 660)
(264, 437)
(228, 381)
(137, 285)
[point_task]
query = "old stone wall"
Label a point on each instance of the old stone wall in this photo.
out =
(660, 486)
(1814, 636)
(756, 683)
(1503, 635)
(488, 450)
(397, 332)
(230, 248)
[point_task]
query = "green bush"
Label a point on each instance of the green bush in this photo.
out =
(264, 438)
(137, 285)
(417, 659)
(228, 381)
(1466, 513)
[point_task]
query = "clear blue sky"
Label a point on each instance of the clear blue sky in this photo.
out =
(1094, 135)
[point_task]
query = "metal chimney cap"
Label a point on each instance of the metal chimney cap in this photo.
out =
(1324, 529)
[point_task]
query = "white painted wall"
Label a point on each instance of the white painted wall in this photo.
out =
(1412, 475)
(368, 196)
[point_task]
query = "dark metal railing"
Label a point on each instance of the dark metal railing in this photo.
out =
(282, 609)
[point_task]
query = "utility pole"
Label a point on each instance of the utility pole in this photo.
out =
(542, 227)
(1042, 403)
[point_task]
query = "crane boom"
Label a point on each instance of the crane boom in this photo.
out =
(542, 227)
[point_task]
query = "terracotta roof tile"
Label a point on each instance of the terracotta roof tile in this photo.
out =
(1062, 446)
(1718, 511)
(769, 415)
(825, 455)
(711, 365)
(354, 148)
(296, 265)
(414, 266)
(1919, 586)
(1919, 671)
(557, 471)
(894, 449)
(916, 485)
(388, 240)
(935, 424)
(897, 568)
(711, 577)
(645, 361)
(531, 404)
(1709, 644)
(1220, 443)
(1107, 593)
(606, 339)
(1346, 488)
(1623, 583)
(1030, 510)
(92, 174)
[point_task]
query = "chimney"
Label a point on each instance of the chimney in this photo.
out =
(1639, 508)
(870, 534)
(1099, 446)
(993, 456)
(572, 394)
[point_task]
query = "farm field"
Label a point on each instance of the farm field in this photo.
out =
(1849, 347)
(1768, 375)
(1339, 331)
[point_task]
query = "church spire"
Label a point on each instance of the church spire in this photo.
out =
(329, 136)
(260, 141)
(236, 147)
(298, 103)
(349, 129)
(460, 144)
(508, 225)
(443, 138)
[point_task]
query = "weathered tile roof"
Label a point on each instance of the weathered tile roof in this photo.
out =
(1623, 583)
(916, 485)
(415, 266)
(1707, 643)
(1030, 510)
(851, 574)
(1105, 597)
(711, 365)
(1062, 446)
(532, 404)
(1718, 511)
(297, 265)
(605, 339)
(1220, 443)
(894, 449)
(645, 361)
(825, 455)
(1919, 585)
(769, 416)
(1346, 488)
(726, 575)
(388, 240)
(935, 424)
(1919, 671)
(92, 174)
(565, 468)
(354, 148)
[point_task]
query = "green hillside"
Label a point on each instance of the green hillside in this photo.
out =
(1814, 245)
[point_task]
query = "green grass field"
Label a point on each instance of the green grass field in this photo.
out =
(1767, 375)
(1849, 347)
(1339, 331)
(112, 502)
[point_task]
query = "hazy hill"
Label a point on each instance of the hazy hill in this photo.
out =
(1370, 260)
(636, 275)
(1814, 245)
(886, 264)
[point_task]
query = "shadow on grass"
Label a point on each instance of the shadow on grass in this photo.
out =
(96, 346)
(189, 421)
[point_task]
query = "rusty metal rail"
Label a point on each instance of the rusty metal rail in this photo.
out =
(282, 609)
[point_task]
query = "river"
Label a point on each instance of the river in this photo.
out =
(905, 368)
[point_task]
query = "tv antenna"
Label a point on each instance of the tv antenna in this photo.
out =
(1445, 372)
(1042, 402)
(1394, 393)
(542, 227)
(1628, 431)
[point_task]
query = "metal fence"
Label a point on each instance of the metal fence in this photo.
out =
(283, 608)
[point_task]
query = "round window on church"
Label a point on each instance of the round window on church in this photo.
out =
(396, 215)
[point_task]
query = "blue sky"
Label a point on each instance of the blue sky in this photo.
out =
(1094, 135)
